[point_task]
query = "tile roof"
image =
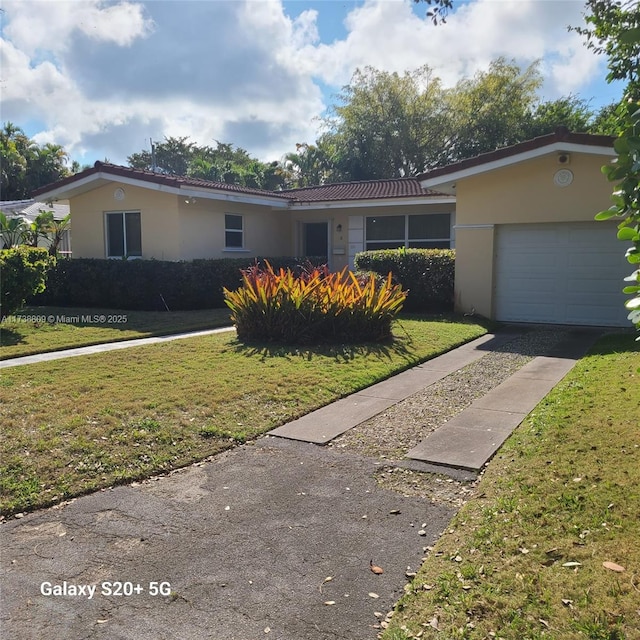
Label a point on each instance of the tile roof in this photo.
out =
(365, 190)
(30, 209)
(560, 135)
(157, 178)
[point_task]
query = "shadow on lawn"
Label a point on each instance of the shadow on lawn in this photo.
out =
(339, 352)
(9, 338)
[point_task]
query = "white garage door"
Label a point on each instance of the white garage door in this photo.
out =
(560, 273)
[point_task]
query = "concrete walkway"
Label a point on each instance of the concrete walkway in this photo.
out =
(329, 422)
(102, 348)
(470, 439)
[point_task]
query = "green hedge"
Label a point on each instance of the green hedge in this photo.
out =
(23, 272)
(427, 274)
(146, 285)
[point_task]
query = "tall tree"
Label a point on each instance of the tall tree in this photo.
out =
(25, 165)
(222, 163)
(389, 125)
(570, 112)
(309, 165)
(489, 110)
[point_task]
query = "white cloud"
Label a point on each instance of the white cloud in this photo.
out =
(49, 24)
(387, 34)
(102, 77)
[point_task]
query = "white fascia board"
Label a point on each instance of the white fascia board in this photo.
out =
(556, 147)
(474, 226)
(358, 204)
(69, 190)
(244, 198)
(103, 177)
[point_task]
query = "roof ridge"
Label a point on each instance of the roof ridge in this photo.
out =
(352, 182)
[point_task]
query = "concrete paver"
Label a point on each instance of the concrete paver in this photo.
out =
(471, 438)
(329, 422)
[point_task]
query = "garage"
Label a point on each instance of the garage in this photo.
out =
(564, 273)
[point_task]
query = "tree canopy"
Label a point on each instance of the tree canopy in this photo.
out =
(222, 163)
(25, 165)
(390, 125)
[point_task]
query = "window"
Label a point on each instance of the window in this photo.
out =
(428, 231)
(233, 231)
(124, 236)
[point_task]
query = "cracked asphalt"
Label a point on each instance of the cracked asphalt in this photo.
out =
(239, 547)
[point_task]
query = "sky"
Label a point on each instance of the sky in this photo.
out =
(102, 78)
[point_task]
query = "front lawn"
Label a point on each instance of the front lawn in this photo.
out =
(525, 559)
(43, 329)
(74, 425)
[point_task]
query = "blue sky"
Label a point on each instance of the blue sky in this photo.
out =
(102, 77)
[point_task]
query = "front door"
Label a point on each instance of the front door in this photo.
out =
(315, 239)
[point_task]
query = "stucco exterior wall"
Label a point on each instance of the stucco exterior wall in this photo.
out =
(202, 224)
(518, 194)
(526, 192)
(474, 270)
(158, 216)
(339, 221)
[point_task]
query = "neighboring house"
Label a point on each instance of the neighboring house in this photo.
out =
(520, 218)
(29, 210)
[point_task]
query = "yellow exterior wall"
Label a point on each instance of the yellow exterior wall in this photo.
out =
(525, 192)
(158, 215)
(519, 193)
(175, 230)
(474, 270)
(339, 217)
(266, 230)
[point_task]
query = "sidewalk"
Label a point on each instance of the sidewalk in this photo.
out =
(102, 348)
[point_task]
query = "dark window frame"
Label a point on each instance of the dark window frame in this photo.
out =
(435, 242)
(233, 232)
(131, 240)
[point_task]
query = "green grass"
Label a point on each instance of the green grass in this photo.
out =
(75, 425)
(565, 488)
(21, 337)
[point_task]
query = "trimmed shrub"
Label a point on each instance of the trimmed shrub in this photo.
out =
(315, 306)
(427, 274)
(148, 285)
(23, 272)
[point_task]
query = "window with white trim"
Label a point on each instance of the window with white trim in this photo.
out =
(419, 231)
(233, 231)
(124, 234)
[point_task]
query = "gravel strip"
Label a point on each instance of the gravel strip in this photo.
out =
(391, 433)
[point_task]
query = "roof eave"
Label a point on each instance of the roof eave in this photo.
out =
(373, 202)
(100, 178)
(446, 180)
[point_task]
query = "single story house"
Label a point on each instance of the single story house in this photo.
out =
(520, 219)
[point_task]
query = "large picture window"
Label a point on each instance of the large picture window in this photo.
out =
(424, 231)
(233, 231)
(124, 234)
